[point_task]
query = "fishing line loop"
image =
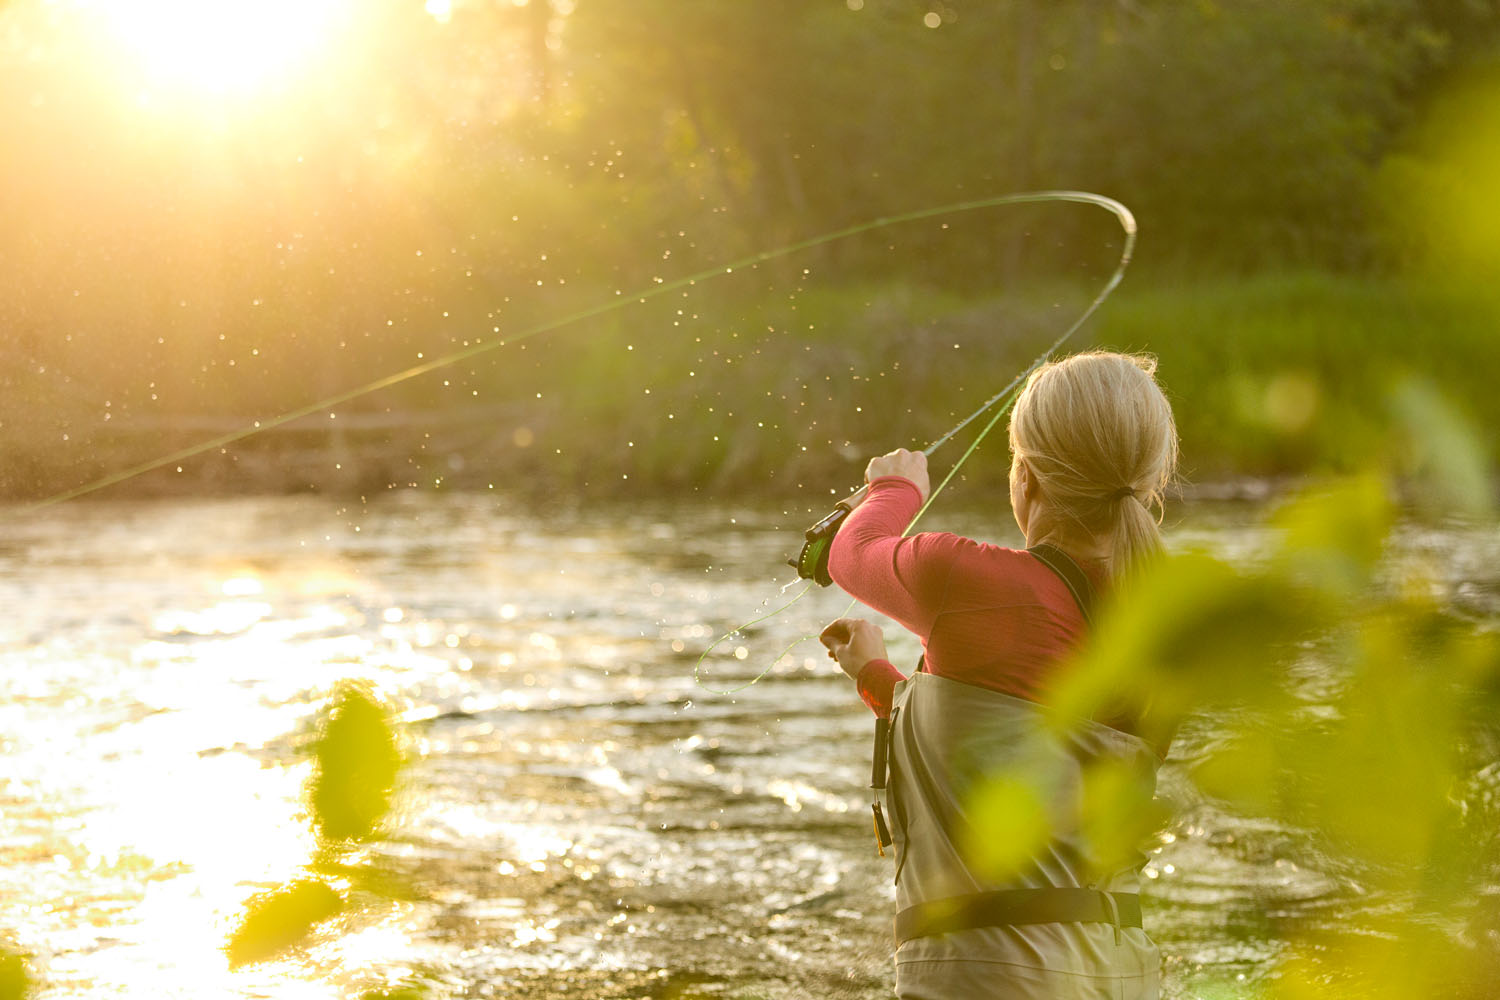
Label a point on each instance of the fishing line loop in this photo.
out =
(618, 301)
(1001, 402)
(698, 666)
(1002, 399)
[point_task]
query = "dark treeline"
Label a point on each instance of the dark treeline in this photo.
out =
(1248, 134)
(178, 262)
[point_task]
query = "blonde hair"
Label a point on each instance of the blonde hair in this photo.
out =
(1097, 435)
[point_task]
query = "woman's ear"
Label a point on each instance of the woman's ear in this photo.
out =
(1025, 481)
(1020, 493)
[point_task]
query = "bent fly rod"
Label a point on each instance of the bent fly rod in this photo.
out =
(811, 563)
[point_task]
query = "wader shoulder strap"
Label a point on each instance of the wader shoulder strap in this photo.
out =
(1012, 907)
(1070, 573)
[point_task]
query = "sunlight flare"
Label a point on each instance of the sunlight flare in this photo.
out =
(222, 46)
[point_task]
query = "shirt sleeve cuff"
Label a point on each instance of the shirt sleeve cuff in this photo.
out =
(895, 480)
(877, 681)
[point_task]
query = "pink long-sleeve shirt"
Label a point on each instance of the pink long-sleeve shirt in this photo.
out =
(990, 616)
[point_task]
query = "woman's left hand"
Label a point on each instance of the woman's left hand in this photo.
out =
(854, 642)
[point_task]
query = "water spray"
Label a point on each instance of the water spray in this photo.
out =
(618, 301)
(811, 563)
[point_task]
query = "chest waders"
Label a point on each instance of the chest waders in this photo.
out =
(1005, 907)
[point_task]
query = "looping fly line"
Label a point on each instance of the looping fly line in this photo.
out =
(653, 290)
(1000, 403)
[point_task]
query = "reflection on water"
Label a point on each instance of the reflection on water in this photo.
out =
(579, 820)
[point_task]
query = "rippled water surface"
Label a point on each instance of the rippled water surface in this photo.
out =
(579, 818)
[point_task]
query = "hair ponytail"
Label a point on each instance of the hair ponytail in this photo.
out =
(1137, 534)
(1096, 433)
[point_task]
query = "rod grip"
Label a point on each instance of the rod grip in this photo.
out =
(882, 745)
(854, 499)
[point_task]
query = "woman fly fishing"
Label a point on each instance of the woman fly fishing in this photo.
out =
(1003, 886)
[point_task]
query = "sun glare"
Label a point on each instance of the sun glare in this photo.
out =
(221, 46)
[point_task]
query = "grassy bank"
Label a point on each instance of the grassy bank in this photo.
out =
(1283, 375)
(1299, 374)
(769, 391)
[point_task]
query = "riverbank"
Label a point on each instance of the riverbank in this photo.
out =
(1271, 376)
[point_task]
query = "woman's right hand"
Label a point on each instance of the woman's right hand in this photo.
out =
(910, 465)
(854, 642)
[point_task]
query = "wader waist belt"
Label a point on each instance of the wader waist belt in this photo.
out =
(1018, 906)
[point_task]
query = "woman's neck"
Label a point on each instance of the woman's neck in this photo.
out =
(1083, 546)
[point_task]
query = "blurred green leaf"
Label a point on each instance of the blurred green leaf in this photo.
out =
(1434, 189)
(1401, 958)
(355, 767)
(1189, 631)
(1386, 768)
(1381, 744)
(371, 876)
(1008, 822)
(1248, 771)
(408, 992)
(1119, 813)
(1444, 455)
(1333, 536)
(15, 978)
(281, 919)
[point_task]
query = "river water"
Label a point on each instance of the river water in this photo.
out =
(577, 819)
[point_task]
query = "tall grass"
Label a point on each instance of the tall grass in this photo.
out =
(771, 384)
(1279, 375)
(1294, 373)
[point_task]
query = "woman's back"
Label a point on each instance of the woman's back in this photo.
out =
(994, 617)
(988, 792)
(1016, 830)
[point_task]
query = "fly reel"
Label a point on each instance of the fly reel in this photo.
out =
(812, 562)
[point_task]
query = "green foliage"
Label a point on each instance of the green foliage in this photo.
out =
(15, 978)
(281, 919)
(1293, 373)
(1444, 457)
(410, 992)
(438, 183)
(1009, 822)
(1262, 187)
(355, 767)
(1289, 374)
(1334, 535)
(1179, 109)
(1119, 813)
(1434, 215)
(1384, 761)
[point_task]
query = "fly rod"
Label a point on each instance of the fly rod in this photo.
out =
(811, 562)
